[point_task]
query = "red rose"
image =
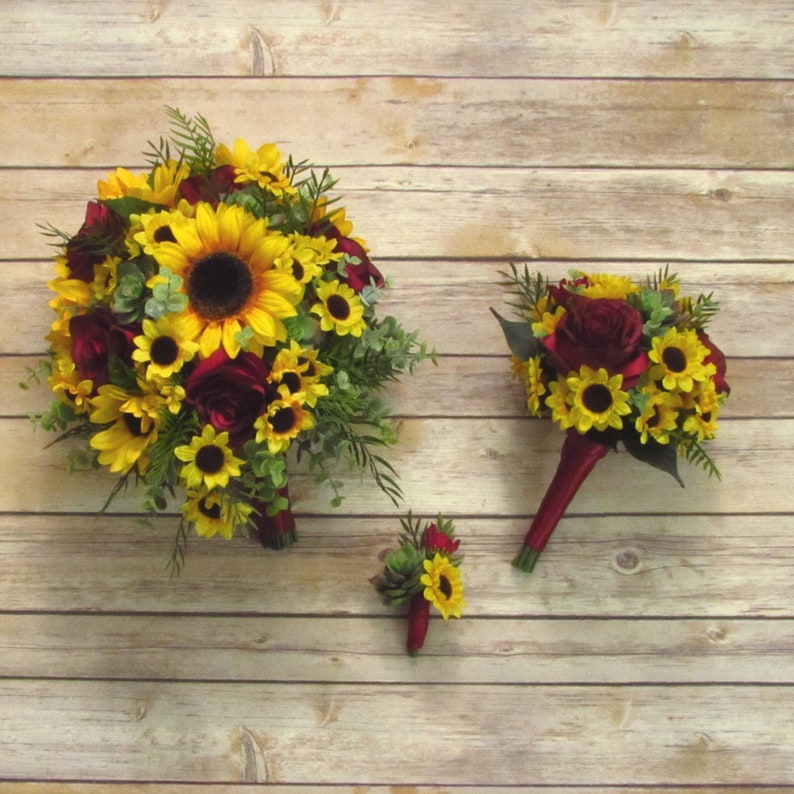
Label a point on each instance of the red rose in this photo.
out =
(230, 393)
(101, 234)
(96, 337)
(598, 332)
(436, 540)
(716, 357)
(209, 187)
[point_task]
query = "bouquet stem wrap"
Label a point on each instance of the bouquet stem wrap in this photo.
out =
(418, 622)
(276, 531)
(578, 457)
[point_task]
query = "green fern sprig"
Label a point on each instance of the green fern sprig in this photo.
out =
(697, 455)
(192, 140)
(527, 289)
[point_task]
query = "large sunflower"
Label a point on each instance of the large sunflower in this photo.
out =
(226, 260)
(443, 586)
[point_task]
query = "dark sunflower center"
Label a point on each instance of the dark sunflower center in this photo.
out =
(133, 424)
(211, 511)
(292, 381)
(219, 285)
(338, 307)
(310, 368)
(445, 586)
(674, 359)
(298, 271)
(209, 459)
(652, 421)
(164, 235)
(283, 420)
(597, 398)
(164, 351)
(707, 416)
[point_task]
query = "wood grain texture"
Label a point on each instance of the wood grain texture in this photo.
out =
(473, 38)
(270, 733)
(653, 647)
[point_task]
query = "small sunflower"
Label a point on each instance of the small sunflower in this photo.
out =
(705, 407)
(536, 385)
(340, 309)
(659, 416)
(284, 420)
(443, 586)
(209, 462)
(148, 231)
(597, 400)
(164, 346)
(294, 370)
(125, 443)
(226, 260)
(263, 166)
(678, 360)
(559, 402)
(161, 189)
(214, 513)
(547, 322)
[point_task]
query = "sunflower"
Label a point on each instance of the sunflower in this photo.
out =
(559, 402)
(597, 400)
(208, 460)
(678, 360)
(125, 443)
(659, 415)
(443, 585)
(284, 420)
(705, 407)
(264, 166)
(161, 189)
(536, 386)
(214, 513)
(547, 323)
(148, 231)
(225, 258)
(294, 369)
(606, 285)
(164, 346)
(340, 309)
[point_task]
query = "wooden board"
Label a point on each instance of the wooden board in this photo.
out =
(652, 649)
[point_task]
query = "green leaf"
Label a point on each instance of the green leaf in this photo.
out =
(660, 456)
(519, 337)
(130, 205)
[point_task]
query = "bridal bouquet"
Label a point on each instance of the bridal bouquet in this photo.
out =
(611, 360)
(213, 314)
(424, 571)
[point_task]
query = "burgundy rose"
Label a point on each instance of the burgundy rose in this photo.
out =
(436, 540)
(598, 332)
(96, 338)
(209, 187)
(716, 357)
(230, 393)
(101, 234)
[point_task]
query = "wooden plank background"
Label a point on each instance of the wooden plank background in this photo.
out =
(653, 647)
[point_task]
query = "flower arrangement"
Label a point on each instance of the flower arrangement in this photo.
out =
(213, 314)
(611, 360)
(424, 571)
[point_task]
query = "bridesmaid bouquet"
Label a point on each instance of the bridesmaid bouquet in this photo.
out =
(213, 314)
(611, 360)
